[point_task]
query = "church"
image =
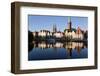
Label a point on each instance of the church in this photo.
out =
(73, 33)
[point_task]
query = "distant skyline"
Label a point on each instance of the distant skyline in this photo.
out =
(45, 22)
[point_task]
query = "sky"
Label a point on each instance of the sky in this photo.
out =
(45, 22)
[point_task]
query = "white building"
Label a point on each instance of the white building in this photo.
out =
(44, 33)
(58, 34)
(75, 35)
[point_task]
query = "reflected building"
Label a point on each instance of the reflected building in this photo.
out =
(69, 49)
(74, 45)
(67, 45)
(58, 45)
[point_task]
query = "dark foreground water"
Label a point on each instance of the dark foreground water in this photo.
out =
(67, 50)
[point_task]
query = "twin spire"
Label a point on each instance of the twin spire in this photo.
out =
(69, 25)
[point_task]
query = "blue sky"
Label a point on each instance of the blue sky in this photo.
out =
(44, 22)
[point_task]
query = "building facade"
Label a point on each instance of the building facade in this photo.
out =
(69, 32)
(72, 33)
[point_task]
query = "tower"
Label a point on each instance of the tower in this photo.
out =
(69, 23)
(54, 28)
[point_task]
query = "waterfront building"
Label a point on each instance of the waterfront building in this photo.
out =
(73, 33)
(44, 33)
(79, 34)
(69, 32)
(58, 34)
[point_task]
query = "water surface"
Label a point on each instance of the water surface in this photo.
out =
(58, 50)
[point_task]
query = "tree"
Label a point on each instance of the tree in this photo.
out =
(30, 36)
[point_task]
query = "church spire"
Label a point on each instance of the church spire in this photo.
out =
(69, 19)
(69, 23)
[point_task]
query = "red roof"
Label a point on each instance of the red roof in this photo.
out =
(78, 31)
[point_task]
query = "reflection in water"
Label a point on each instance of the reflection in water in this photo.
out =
(58, 50)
